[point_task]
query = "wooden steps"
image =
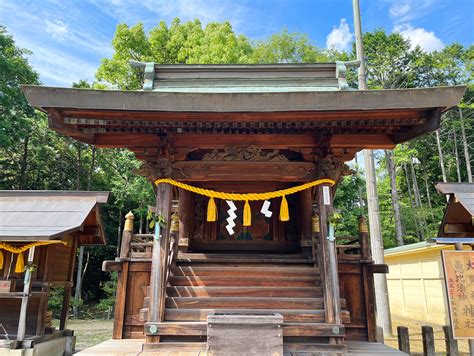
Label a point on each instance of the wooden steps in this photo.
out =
(310, 316)
(244, 291)
(245, 271)
(243, 281)
(201, 284)
(289, 329)
(200, 348)
(224, 258)
(244, 302)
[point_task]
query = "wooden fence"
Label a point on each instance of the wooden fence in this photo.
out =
(451, 345)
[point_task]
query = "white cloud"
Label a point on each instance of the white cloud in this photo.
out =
(407, 10)
(151, 11)
(57, 29)
(399, 9)
(419, 36)
(57, 67)
(340, 37)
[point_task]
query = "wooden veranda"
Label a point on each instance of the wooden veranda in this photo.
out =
(245, 129)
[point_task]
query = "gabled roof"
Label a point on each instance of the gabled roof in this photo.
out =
(244, 78)
(458, 220)
(45, 215)
(191, 107)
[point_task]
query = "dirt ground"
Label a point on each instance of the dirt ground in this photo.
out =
(89, 332)
(414, 328)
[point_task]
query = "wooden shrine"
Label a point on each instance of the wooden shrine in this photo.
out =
(39, 235)
(244, 129)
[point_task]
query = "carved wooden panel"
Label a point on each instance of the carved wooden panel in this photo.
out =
(244, 171)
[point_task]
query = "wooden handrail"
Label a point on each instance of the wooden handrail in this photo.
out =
(127, 235)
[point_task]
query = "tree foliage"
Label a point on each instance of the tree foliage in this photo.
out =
(34, 157)
(15, 114)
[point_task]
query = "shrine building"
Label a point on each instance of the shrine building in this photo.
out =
(245, 160)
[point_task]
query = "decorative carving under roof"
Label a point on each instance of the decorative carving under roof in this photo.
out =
(250, 153)
(329, 168)
(162, 168)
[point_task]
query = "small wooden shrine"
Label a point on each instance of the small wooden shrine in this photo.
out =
(39, 235)
(246, 159)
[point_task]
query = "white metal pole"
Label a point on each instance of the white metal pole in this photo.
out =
(376, 242)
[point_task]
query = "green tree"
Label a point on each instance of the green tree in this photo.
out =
(16, 115)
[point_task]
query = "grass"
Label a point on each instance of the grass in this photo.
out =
(89, 332)
(414, 328)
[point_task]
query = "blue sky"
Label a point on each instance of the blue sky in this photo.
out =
(68, 38)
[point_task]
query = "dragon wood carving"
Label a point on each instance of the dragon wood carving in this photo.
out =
(250, 153)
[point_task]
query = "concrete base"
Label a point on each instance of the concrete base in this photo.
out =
(61, 346)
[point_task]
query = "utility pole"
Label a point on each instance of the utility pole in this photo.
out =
(376, 242)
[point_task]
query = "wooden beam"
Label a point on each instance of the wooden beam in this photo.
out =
(160, 255)
(373, 142)
(185, 219)
(244, 171)
(117, 140)
(432, 122)
(305, 221)
(328, 259)
(397, 115)
(212, 141)
(120, 302)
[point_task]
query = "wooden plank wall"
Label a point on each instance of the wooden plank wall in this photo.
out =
(353, 287)
(137, 282)
(356, 287)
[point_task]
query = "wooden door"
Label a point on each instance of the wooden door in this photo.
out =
(264, 234)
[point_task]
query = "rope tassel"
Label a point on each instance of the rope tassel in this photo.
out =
(284, 212)
(20, 263)
(247, 214)
(211, 210)
(1, 259)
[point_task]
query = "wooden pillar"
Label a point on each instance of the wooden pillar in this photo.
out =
(67, 289)
(127, 235)
(160, 255)
(26, 296)
(185, 219)
(328, 266)
(122, 279)
(368, 280)
(305, 218)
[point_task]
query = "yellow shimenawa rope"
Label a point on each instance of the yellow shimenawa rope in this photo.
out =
(212, 194)
(20, 263)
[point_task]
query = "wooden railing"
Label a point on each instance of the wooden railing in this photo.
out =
(141, 246)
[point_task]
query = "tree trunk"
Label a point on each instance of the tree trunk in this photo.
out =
(24, 164)
(359, 188)
(395, 198)
(77, 292)
(441, 159)
(416, 191)
(428, 195)
(91, 171)
(119, 232)
(456, 155)
(79, 168)
(466, 147)
(407, 177)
